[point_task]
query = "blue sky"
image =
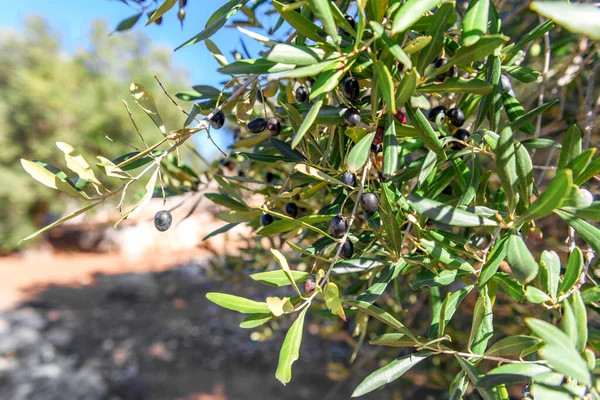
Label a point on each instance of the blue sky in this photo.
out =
(73, 17)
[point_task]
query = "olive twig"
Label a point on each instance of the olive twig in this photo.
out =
(352, 216)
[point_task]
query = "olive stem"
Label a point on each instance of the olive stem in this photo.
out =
(202, 124)
(538, 127)
(589, 101)
(350, 221)
(307, 301)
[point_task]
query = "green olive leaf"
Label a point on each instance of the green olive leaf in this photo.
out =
(290, 350)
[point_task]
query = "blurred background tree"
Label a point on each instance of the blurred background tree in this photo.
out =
(48, 95)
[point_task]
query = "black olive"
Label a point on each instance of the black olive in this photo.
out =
(162, 220)
(352, 117)
(259, 97)
(369, 203)
(217, 120)
(350, 88)
(257, 125)
(338, 226)
(460, 134)
(347, 250)
(266, 219)
(352, 23)
(349, 179)
(435, 111)
(291, 209)
(273, 126)
(456, 117)
(301, 94)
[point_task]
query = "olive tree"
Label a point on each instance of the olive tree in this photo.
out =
(399, 168)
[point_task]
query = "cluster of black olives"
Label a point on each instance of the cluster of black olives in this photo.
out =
(338, 226)
(289, 208)
(351, 91)
(456, 118)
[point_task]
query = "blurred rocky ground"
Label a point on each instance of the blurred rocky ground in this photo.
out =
(153, 335)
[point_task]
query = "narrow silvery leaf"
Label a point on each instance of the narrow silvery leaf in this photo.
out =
(425, 131)
(279, 278)
(323, 12)
(551, 262)
(588, 232)
(573, 271)
(303, 25)
(560, 352)
(568, 325)
(290, 350)
(428, 167)
(447, 214)
(550, 199)
(495, 257)
(237, 303)
(460, 85)
(161, 10)
(410, 12)
(386, 85)
(571, 146)
(475, 21)
(390, 148)
(536, 296)
(488, 106)
(382, 316)
(293, 54)
(146, 103)
(390, 372)
(512, 345)
(524, 172)
(407, 87)
(575, 17)
(52, 177)
(511, 373)
(506, 167)
(452, 303)
(482, 327)
(466, 55)
(360, 153)
(128, 23)
(580, 313)
(60, 221)
(521, 262)
(307, 122)
(435, 32)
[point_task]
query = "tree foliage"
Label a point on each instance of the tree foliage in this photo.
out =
(443, 209)
(49, 96)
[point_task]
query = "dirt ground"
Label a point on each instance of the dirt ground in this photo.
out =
(24, 276)
(101, 327)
